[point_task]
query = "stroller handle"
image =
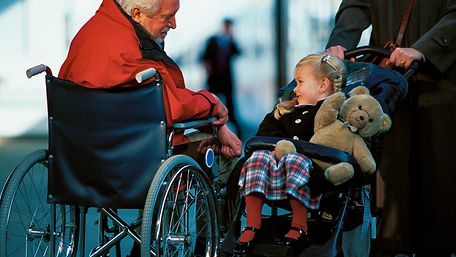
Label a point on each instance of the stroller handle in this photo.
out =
(382, 52)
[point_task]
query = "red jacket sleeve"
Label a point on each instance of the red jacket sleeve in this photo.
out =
(181, 103)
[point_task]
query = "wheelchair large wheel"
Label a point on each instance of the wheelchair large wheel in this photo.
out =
(25, 215)
(180, 217)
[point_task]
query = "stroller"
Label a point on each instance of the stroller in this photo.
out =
(343, 208)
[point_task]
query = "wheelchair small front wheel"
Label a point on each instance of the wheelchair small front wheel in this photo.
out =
(180, 216)
(25, 228)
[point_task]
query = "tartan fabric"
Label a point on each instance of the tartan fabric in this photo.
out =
(262, 173)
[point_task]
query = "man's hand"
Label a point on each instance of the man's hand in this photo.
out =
(221, 112)
(403, 57)
(231, 145)
(227, 144)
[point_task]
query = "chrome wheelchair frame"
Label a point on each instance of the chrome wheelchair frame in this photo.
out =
(43, 204)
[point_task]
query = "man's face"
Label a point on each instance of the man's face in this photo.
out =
(160, 22)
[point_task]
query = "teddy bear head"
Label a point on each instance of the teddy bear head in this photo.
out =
(363, 113)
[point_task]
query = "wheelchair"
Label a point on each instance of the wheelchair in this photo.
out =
(110, 150)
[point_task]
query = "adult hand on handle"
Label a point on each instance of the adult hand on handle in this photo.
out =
(338, 51)
(403, 57)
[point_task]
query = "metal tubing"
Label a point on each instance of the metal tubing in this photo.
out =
(52, 231)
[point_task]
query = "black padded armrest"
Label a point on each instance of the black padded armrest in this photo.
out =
(320, 152)
(194, 123)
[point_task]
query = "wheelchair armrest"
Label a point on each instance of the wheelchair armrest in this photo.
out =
(194, 123)
(320, 152)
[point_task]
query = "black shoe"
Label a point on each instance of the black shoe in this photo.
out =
(298, 243)
(242, 248)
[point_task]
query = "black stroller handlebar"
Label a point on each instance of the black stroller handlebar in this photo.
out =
(380, 52)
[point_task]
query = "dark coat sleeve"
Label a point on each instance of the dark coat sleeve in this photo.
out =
(352, 18)
(271, 127)
(439, 44)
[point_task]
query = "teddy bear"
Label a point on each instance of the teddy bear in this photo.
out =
(343, 123)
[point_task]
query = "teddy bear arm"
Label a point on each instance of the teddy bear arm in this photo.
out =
(328, 111)
(363, 156)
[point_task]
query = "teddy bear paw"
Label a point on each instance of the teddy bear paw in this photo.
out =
(339, 173)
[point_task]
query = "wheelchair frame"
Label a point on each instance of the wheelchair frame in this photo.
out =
(179, 216)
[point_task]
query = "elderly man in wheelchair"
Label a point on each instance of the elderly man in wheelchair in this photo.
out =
(112, 149)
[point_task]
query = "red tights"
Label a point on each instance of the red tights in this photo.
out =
(254, 206)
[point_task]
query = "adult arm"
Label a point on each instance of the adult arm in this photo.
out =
(436, 48)
(438, 45)
(352, 18)
(185, 104)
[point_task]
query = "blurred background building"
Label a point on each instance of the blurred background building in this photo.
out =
(273, 36)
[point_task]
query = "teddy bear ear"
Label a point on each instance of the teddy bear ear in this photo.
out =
(386, 123)
(359, 90)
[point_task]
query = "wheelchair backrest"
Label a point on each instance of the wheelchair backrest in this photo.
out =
(104, 145)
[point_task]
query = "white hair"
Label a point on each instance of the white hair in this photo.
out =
(148, 6)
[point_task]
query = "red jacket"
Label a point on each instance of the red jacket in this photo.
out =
(111, 48)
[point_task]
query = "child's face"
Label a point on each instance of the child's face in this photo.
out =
(309, 86)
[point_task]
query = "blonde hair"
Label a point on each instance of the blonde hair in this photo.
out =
(324, 66)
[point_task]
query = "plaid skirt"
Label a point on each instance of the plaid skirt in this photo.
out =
(262, 173)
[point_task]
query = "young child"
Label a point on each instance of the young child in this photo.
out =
(263, 176)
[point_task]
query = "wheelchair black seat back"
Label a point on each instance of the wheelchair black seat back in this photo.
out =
(104, 146)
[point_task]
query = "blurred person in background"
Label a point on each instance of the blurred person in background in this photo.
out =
(419, 216)
(218, 56)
